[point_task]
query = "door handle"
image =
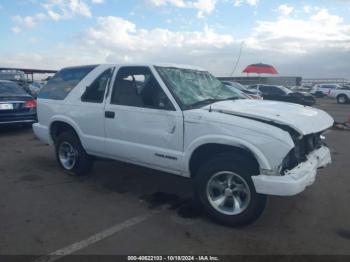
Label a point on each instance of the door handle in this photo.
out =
(109, 114)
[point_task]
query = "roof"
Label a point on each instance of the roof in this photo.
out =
(46, 71)
(147, 64)
(183, 66)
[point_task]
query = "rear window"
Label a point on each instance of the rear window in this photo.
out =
(11, 89)
(64, 82)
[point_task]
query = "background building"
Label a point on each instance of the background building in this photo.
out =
(314, 81)
(268, 80)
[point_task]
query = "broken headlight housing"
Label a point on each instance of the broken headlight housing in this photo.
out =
(302, 148)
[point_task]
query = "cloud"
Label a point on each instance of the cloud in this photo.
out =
(248, 2)
(116, 40)
(26, 21)
(204, 7)
(66, 9)
(285, 9)
(176, 3)
(97, 2)
(16, 30)
(307, 9)
(118, 34)
(321, 30)
(310, 47)
(53, 9)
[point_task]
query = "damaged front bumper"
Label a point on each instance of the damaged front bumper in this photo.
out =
(296, 180)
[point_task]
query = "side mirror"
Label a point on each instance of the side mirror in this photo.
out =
(161, 105)
(164, 103)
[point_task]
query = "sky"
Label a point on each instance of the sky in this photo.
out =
(300, 38)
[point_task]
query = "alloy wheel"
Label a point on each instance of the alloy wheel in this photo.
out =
(228, 193)
(67, 155)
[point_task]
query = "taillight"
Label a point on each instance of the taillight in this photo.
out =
(30, 104)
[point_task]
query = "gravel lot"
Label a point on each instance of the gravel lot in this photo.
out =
(141, 211)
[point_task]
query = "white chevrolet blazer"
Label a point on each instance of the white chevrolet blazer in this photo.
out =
(182, 120)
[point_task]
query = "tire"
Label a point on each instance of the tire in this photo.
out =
(250, 205)
(69, 148)
(312, 101)
(342, 99)
(319, 94)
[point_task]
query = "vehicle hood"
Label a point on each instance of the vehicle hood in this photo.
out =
(304, 120)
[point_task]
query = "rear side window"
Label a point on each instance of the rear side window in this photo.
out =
(64, 82)
(329, 86)
(96, 91)
(11, 89)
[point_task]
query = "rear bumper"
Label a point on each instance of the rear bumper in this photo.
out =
(294, 181)
(18, 119)
(42, 133)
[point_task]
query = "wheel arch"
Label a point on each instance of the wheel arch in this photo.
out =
(59, 125)
(201, 150)
(342, 94)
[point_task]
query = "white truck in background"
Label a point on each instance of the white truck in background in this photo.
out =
(322, 90)
(342, 95)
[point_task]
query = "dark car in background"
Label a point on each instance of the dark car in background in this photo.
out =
(238, 92)
(16, 105)
(280, 93)
(251, 94)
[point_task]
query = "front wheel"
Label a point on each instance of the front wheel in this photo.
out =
(342, 99)
(71, 155)
(225, 190)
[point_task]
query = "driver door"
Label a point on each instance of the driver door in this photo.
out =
(142, 124)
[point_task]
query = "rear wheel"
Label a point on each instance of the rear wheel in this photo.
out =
(342, 99)
(71, 155)
(225, 190)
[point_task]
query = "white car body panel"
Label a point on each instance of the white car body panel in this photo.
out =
(337, 92)
(145, 136)
(303, 119)
(205, 127)
(166, 140)
(324, 89)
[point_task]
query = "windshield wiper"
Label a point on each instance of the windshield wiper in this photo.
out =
(211, 101)
(205, 102)
(231, 98)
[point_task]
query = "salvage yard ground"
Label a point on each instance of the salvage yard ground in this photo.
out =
(132, 210)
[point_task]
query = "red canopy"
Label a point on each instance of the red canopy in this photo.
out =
(260, 69)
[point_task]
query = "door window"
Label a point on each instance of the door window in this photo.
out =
(137, 87)
(276, 91)
(329, 86)
(96, 91)
(265, 90)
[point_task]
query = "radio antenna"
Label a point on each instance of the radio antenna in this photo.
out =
(238, 59)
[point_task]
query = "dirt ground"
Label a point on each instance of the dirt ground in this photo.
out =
(132, 210)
